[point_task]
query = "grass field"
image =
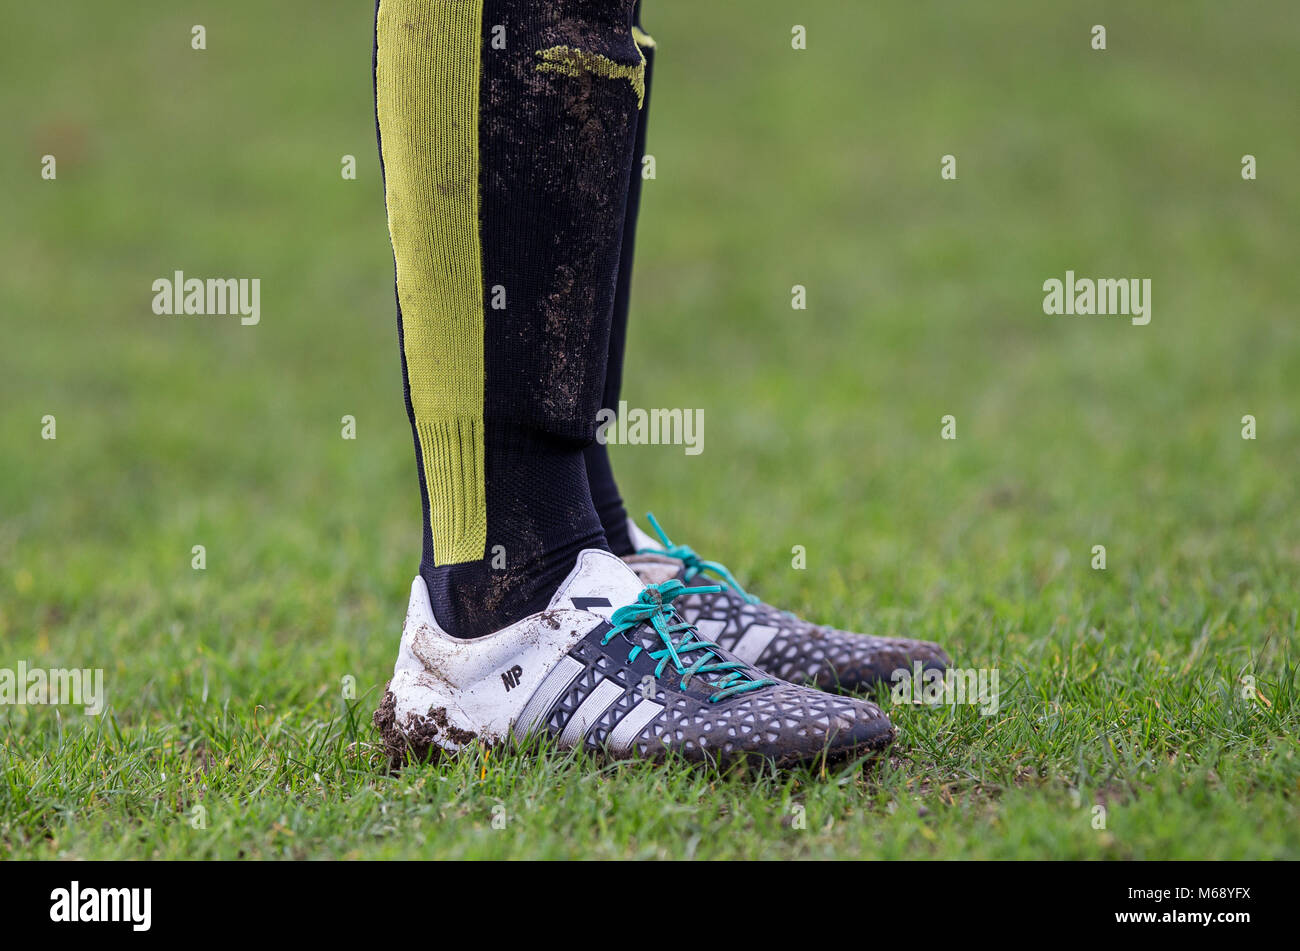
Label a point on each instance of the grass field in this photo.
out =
(1123, 687)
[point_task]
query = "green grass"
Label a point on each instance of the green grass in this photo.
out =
(1120, 687)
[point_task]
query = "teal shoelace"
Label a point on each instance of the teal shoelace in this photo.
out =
(694, 563)
(654, 606)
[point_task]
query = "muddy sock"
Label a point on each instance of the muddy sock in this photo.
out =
(600, 473)
(506, 133)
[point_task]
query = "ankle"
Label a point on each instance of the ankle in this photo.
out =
(539, 518)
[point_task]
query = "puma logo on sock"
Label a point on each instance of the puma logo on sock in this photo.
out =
(568, 61)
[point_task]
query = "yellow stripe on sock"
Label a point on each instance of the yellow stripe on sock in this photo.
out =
(427, 99)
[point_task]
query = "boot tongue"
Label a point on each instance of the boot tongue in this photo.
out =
(640, 540)
(600, 584)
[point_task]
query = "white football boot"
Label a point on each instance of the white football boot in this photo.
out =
(611, 666)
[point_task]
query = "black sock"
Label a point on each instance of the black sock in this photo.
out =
(506, 138)
(600, 473)
(607, 501)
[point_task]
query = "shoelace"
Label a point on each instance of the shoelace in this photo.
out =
(694, 563)
(654, 606)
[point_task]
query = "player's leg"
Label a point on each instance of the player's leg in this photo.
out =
(506, 130)
(604, 490)
(506, 133)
